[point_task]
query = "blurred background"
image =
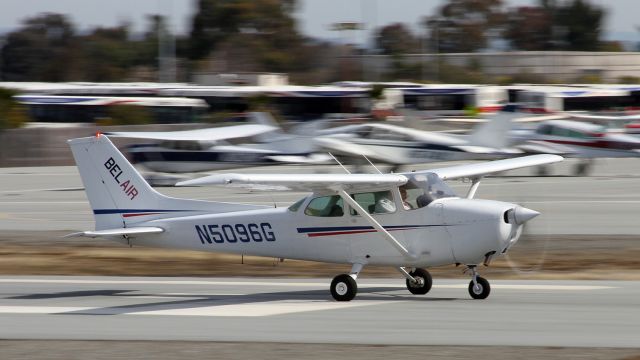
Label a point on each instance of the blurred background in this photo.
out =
(166, 62)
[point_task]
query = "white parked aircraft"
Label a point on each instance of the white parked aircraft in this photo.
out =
(408, 221)
(211, 149)
(397, 145)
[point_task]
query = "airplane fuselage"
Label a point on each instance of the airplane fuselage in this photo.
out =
(447, 231)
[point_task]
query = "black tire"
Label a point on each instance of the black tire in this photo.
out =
(543, 171)
(344, 288)
(483, 290)
(582, 169)
(416, 289)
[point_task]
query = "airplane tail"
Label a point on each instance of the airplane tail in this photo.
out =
(495, 132)
(264, 118)
(120, 196)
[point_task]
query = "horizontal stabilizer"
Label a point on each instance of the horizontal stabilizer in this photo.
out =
(118, 232)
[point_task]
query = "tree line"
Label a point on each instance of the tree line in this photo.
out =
(263, 36)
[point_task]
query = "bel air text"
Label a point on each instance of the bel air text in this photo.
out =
(126, 186)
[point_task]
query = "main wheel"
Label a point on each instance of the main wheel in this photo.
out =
(344, 288)
(424, 282)
(482, 290)
(582, 169)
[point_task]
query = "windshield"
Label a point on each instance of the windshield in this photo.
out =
(422, 189)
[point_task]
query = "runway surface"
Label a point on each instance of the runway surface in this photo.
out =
(518, 313)
(52, 198)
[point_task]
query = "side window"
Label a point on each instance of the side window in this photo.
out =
(410, 197)
(379, 202)
(325, 206)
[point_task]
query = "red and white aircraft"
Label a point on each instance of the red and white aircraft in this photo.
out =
(576, 139)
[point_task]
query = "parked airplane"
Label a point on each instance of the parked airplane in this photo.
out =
(629, 124)
(408, 221)
(397, 145)
(577, 139)
(211, 149)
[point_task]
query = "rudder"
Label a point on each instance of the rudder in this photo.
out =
(113, 186)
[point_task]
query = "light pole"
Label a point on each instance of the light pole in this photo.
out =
(345, 26)
(166, 44)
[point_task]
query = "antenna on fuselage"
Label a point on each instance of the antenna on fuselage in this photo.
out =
(339, 163)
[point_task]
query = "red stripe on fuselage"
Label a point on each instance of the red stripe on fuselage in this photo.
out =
(350, 232)
(600, 144)
(141, 214)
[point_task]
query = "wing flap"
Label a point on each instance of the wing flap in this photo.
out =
(119, 232)
(486, 168)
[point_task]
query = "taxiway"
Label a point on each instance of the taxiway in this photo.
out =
(518, 313)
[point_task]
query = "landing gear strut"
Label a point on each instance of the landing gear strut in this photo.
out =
(479, 287)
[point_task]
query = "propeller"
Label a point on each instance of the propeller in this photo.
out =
(534, 235)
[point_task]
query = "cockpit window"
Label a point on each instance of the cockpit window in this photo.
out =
(422, 189)
(325, 206)
(379, 202)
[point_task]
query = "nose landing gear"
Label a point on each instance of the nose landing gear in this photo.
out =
(479, 287)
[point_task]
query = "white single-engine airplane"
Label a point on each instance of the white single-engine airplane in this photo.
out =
(211, 149)
(397, 145)
(408, 221)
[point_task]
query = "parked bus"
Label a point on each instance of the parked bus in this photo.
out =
(67, 109)
(546, 99)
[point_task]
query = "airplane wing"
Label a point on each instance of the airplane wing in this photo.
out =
(295, 159)
(118, 232)
(209, 134)
(341, 146)
(622, 118)
(314, 182)
(544, 147)
(302, 182)
(491, 167)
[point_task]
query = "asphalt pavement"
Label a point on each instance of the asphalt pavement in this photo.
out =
(518, 313)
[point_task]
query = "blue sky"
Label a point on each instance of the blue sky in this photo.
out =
(315, 16)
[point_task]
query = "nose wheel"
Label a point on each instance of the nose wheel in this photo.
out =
(479, 287)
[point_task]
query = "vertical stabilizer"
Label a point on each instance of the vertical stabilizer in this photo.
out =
(114, 187)
(120, 196)
(495, 132)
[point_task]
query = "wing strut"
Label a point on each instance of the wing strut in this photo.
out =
(475, 182)
(376, 225)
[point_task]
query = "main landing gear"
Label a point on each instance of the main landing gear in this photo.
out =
(344, 287)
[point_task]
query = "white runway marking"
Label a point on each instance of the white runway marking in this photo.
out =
(258, 309)
(253, 309)
(531, 287)
(41, 309)
(322, 284)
